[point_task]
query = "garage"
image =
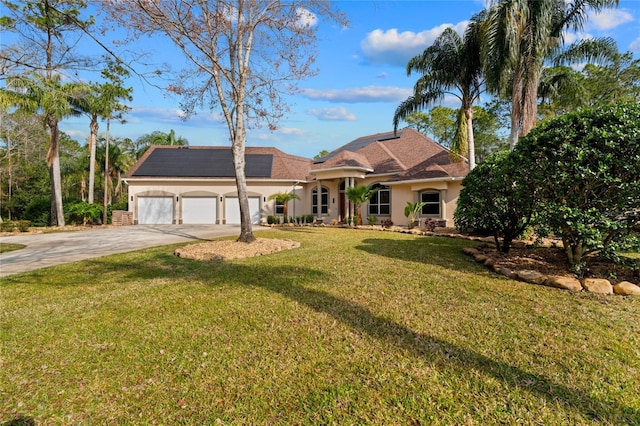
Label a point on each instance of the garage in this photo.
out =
(232, 210)
(199, 210)
(155, 210)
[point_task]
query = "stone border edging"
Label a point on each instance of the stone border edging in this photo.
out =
(592, 285)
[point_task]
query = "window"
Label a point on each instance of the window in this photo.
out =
(380, 203)
(279, 207)
(432, 200)
(324, 208)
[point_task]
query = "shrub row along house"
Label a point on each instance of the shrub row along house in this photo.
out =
(196, 185)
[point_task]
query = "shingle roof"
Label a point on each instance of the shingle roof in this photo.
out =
(347, 159)
(409, 154)
(217, 162)
(441, 165)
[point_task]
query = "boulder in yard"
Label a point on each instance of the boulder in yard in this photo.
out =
(470, 251)
(626, 288)
(480, 258)
(598, 285)
(530, 276)
(566, 283)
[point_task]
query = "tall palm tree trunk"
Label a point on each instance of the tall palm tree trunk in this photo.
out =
(516, 110)
(93, 126)
(468, 113)
(53, 160)
(530, 103)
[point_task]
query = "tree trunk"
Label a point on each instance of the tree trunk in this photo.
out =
(470, 138)
(105, 200)
(530, 104)
(53, 160)
(237, 149)
(516, 109)
(92, 155)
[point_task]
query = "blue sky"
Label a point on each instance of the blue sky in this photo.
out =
(361, 77)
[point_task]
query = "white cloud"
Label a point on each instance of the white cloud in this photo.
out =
(396, 48)
(635, 45)
(359, 94)
(609, 18)
(570, 38)
(77, 134)
(306, 18)
(160, 114)
(170, 115)
(291, 131)
(332, 114)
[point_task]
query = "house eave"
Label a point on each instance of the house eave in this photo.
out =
(333, 169)
(429, 180)
(208, 179)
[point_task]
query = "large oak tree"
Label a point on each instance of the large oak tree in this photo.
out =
(240, 56)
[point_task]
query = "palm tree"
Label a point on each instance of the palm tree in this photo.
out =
(144, 142)
(117, 165)
(359, 195)
(283, 198)
(520, 35)
(34, 92)
(103, 101)
(451, 66)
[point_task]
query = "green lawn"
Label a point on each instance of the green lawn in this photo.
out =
(354, 327)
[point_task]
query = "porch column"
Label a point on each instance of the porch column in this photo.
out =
(319, 199)
(443, 205)
(352, 183)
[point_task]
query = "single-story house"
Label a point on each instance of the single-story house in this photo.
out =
(196, 185)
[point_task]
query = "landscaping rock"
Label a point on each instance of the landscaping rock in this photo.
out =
(566, 283)
(470, 251)
(480, 258)
(626, 288)
(532, 277)
(490, 262)
(506, 272)
(598, 285)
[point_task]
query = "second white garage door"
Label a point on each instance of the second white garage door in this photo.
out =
(199, 210)
(232, 210)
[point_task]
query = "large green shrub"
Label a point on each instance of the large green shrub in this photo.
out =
(83, 213)
(38, 211)
(496, 199)
(585, 169)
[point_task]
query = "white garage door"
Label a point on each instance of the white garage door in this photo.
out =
(199, 210)
(155, 210)
(232, 210)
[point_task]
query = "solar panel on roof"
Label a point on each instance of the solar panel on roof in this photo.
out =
(186, 162)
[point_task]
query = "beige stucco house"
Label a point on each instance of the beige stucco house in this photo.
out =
(170, 185)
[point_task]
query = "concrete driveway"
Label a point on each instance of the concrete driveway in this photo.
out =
(43, 250)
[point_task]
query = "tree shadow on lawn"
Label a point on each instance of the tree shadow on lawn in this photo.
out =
(284, 281)
(438, 251)
(293, 282)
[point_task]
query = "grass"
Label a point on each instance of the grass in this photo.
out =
(354, 327)
(6, 247)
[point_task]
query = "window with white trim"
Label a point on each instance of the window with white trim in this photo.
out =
(279, 207)
(324, 199)
(432, 200)
(380, 202)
